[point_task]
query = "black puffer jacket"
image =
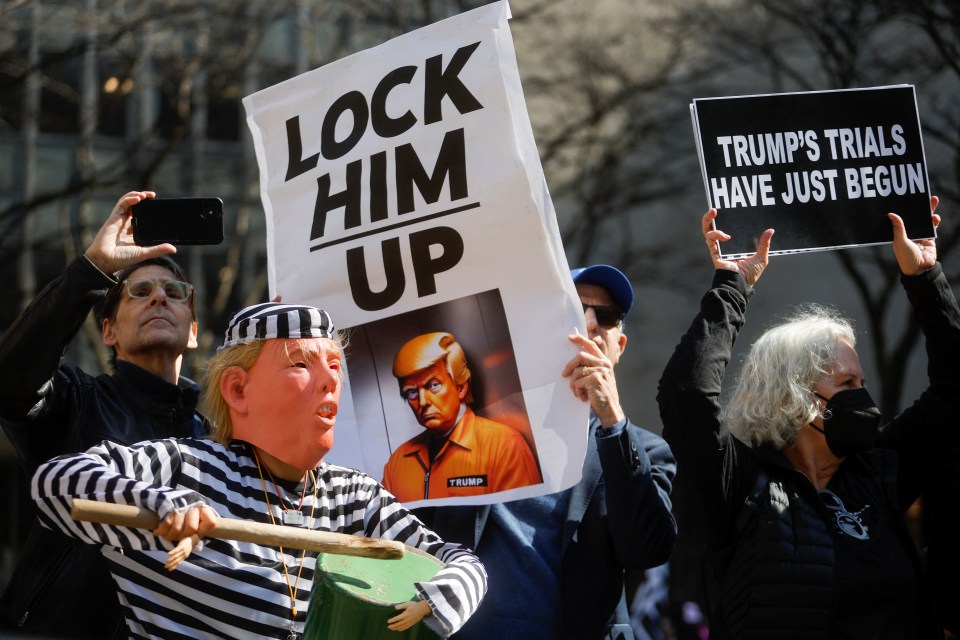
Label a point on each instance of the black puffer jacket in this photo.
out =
(771, 552)
(777, 577)
(61, 588)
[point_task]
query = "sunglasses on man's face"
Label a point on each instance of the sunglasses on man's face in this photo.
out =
(607, 317)
(173, 289)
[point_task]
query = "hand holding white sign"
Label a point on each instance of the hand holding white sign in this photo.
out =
(404, 192)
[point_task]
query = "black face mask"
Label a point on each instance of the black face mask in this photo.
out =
(850, 422)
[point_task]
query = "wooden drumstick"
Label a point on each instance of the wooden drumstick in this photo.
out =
(232, 529)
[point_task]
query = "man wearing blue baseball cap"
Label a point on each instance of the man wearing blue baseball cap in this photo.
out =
(607, 296)
(564, 555)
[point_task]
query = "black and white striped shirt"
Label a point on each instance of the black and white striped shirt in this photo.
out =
(229, 589)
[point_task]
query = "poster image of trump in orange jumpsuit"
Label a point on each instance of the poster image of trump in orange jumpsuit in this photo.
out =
(459, 453)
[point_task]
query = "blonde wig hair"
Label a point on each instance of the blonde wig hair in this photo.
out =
(773, 398)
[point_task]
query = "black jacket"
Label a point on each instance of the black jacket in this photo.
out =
(770, 544)
(61, 588)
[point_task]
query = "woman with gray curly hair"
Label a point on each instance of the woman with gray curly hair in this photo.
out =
(799, 490)
(774, 397)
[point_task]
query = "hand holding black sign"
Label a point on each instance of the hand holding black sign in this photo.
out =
(913, 256)
(750, 267)
(820, 167)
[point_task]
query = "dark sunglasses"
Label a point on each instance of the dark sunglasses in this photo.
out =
(173, 289)
(607, 317)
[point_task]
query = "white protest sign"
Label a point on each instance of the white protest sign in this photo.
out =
(822, 168)
(405, 196)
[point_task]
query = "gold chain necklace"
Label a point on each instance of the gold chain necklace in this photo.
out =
(294, 588)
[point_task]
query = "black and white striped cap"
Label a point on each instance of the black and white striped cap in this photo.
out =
(270, 320)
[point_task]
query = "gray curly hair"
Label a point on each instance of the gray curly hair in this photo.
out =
(773, 398)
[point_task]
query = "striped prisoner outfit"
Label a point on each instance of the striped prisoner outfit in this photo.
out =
(229, 589)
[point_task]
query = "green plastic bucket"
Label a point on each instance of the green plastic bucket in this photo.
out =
(354, 597)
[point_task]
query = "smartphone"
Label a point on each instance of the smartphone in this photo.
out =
(178, 221)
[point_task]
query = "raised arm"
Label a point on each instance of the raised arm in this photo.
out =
(32, 348)
(929, 426)
(34, 393)
(636, 465)
(690, 387)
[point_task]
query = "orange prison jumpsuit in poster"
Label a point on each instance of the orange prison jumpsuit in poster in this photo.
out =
(480, 456)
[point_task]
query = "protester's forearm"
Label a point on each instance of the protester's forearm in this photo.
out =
(701, 357)
(638, 470)
(930, 423)
(689, 400)
(32, 348)
(689, 390)
(935, 308)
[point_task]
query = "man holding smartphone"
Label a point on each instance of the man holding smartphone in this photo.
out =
(148, 320)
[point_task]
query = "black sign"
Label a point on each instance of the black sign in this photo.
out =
(821, 168)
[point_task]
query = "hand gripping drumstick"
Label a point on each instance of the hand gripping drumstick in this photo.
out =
(243, 531)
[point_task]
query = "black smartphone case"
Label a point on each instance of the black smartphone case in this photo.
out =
(179, 221)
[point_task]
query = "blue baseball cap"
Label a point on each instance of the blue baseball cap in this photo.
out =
(611, 279)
